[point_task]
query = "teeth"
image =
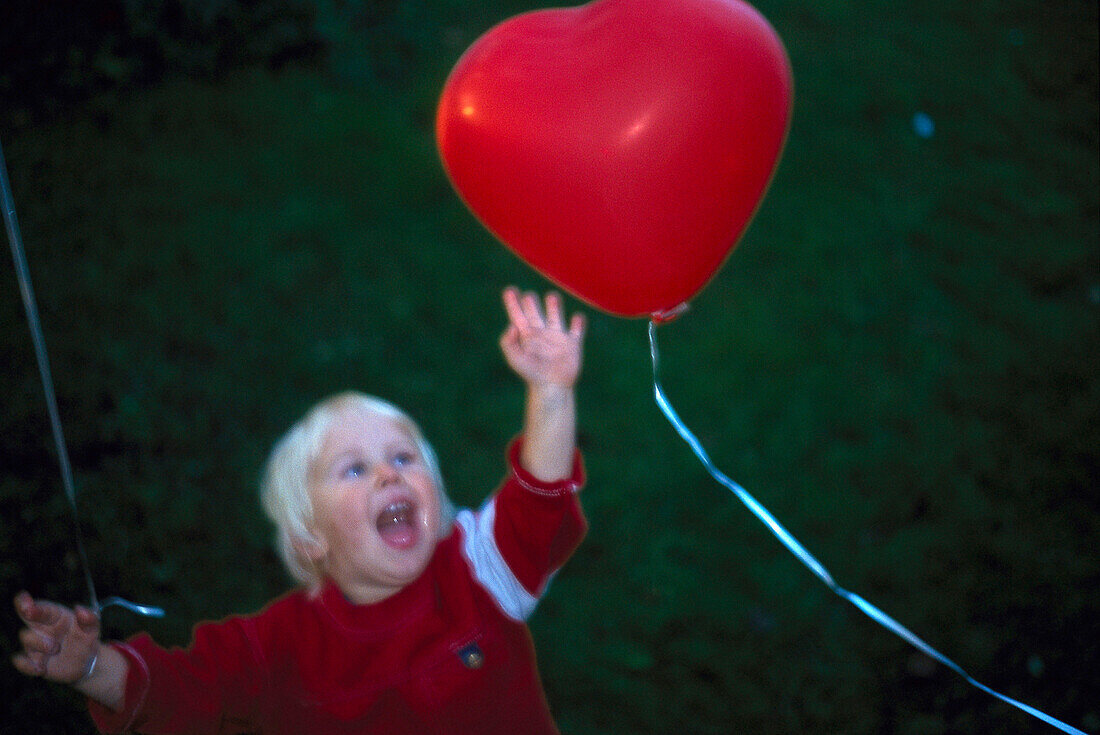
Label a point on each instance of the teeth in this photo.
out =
(398, 511)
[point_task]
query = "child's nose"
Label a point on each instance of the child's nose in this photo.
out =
(386, 473)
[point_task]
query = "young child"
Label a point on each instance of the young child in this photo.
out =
(410, 617)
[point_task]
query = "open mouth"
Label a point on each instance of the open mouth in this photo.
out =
(397, 525)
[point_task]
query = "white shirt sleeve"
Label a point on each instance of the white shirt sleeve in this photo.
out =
(488, 565)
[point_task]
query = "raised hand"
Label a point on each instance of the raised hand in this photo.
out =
(59, 643)
(537, 344)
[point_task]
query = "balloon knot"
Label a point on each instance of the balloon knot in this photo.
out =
(667, 315)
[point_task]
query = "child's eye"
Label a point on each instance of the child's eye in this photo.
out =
(354, 470)
(403, 459)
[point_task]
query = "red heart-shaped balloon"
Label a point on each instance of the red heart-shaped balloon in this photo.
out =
(620, 147)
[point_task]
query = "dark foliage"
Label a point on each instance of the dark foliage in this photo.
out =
(63, 51)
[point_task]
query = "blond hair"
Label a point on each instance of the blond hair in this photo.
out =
(284, 486)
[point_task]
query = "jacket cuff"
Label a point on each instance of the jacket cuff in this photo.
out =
(555, 488)
(136, 687)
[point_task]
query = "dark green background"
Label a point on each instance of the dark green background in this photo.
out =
(233, 209)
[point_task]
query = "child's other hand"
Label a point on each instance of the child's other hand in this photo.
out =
(59, 643)
(537, 344)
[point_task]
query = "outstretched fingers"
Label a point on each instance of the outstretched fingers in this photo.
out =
(36, 642)
(555, 318)
(576, 327)
(527, 313)
(87, 620)
(35, 613)
(27, 665)
(532, 310)
(57, 642)
(516, 316)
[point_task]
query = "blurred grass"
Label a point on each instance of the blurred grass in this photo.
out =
(899, 360)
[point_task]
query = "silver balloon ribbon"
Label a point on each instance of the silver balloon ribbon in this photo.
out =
(807, 558)
(22, 273)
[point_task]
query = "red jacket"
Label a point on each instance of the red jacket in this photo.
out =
(448, 654)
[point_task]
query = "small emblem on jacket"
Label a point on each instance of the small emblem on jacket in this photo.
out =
(471, 656)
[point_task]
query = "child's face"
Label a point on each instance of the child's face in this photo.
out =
(376, 507)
